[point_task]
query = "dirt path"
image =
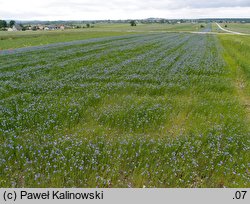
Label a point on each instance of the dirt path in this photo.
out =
(229, 31)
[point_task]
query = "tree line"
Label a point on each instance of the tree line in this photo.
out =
(4, 24)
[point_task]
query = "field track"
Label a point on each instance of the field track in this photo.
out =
(229, 31)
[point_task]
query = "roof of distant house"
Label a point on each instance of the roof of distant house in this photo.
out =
(18, 27)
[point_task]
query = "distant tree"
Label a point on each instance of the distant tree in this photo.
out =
(34, 28)
(133, 23)
(11, 23)
(226, 26)
(23, 27)
(162, 21)
(88, 25)
(202, 26)
(3, 24)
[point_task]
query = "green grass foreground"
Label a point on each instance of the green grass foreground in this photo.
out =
(154, 110)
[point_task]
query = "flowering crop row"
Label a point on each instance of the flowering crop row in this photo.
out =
(154, 110)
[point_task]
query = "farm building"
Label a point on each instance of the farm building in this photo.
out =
(16, 28)
(40, 27)
(54, 27)
(62, 27)
(51, 27)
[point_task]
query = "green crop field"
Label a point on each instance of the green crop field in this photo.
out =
(125, 110)
(149, 27)
(11, 40)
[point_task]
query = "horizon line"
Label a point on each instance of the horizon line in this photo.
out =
(208, 18)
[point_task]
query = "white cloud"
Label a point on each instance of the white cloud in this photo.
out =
(121, 9)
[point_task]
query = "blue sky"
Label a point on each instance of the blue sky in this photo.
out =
(122, 9)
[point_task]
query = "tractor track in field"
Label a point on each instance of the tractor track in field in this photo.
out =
(229, 31)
